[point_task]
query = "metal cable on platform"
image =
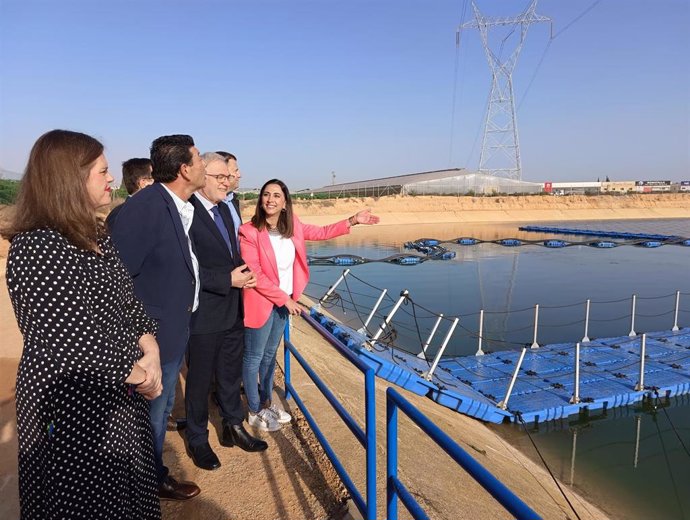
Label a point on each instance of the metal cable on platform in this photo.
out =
(434, 250)
(387, 337)
(548, 369)
(425, 245)
(558, 325)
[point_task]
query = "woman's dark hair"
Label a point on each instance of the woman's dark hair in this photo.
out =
(168, 154)
(285, 221)
(53, 190)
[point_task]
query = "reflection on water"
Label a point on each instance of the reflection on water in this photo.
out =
(499, 279)
(630, 461)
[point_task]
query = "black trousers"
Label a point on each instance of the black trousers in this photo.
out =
(210, 356)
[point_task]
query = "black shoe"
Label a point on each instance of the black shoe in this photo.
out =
(203, 456)
(236, 435)
(171, 489)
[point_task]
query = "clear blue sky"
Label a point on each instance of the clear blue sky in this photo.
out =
(297, 89)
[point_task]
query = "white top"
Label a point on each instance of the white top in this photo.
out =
(284, 250)
(186, 211)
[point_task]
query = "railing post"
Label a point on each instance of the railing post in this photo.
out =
(536, 325)
(675, 314)
(572, 457)
(503, 405)
(331, 289)
(286, 358)
(391, 457)
(512, 504)
(576, 395)
(422, 354)
(585, 339)
(430, 373)
(363, 328)
(370, 430)
(638, 419)
(643, 346)
(387, 320)
(632, 332)
(480, 352)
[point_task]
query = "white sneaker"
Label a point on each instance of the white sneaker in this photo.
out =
(279, 414)
(264, 421)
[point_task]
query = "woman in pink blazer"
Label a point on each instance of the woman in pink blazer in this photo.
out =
(273, 246)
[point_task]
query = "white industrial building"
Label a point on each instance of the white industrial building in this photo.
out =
(456, 181)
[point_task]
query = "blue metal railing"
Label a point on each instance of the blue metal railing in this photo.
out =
(396, 490)
(366, 437)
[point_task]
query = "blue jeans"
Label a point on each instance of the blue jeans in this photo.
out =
(159, 411)
(259, 360)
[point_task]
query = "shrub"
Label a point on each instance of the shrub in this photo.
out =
(8, 191)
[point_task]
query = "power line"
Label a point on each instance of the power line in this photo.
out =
(576, 19)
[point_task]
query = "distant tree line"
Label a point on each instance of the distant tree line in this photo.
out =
(8, 191)
(251, 195)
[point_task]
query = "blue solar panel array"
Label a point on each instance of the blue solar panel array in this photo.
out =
(474, 385)
(599, 233)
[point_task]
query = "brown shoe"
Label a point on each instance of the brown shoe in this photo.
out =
(171, 489)
(175, 425)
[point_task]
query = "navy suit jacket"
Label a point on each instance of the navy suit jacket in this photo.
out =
(112, 216)
(150, 239)
(220, 304)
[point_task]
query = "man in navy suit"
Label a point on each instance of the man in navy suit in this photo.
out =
(151, 234)
(216, 344)
(136, 175)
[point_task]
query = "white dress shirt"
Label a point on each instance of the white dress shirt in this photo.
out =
(186, 211)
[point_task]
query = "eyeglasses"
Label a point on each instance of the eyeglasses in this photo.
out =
(220, 178)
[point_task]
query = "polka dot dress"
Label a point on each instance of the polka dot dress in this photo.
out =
(85, 445)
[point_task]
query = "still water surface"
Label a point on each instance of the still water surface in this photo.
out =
(629, 461)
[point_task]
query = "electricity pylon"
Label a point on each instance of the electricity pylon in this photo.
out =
(500, 153)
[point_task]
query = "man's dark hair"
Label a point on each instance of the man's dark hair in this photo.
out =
(227, 156)
(132, 171)
(168, 154)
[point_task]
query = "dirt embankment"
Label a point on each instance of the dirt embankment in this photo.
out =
(395, 210)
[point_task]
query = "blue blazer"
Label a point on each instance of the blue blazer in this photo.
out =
(150, 239)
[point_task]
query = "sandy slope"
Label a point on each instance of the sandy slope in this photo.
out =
(420, 210)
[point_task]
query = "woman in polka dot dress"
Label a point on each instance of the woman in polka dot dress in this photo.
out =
(90, 360)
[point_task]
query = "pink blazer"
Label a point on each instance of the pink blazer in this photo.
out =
(257, 252)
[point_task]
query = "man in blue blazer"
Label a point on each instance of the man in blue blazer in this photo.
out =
(151, 234)
(216, 344)
(136, 175)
